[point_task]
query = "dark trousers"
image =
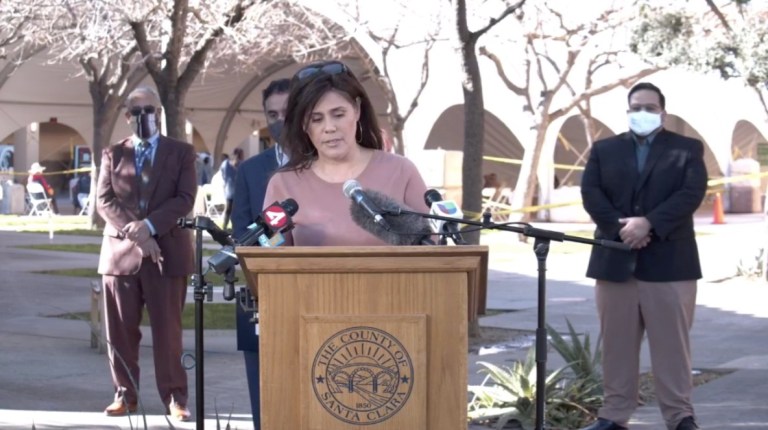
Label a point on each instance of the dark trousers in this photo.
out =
(227, 213)
(252, 373)
(125, 298)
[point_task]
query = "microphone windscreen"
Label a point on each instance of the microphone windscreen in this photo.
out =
(290, 206)
(432, 196)
(406, 229)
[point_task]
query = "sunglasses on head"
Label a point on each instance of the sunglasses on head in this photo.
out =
(329, 68)
(138, 110)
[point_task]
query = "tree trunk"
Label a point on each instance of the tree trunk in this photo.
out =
(474, 132)
(175, 120)
(397, 138)
(533, 180)
(105, 114)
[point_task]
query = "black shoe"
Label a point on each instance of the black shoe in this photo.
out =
(603, 424)
(687, 423)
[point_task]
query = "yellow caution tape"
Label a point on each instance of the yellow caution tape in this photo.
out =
(60, 172)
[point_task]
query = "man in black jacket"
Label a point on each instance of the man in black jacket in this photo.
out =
(643, 187)
(250, 187)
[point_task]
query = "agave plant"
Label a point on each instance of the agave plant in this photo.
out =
(582, 384)
(512, 394)
(573, 392)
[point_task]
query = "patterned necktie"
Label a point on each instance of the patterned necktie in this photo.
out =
(144, 170)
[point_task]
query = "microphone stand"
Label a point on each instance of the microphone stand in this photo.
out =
(201, 290)
(541, 249)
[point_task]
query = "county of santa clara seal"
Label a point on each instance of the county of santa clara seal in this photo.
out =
(362, 375)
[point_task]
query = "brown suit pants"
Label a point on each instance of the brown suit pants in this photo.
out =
(125, 298)
(664, 311)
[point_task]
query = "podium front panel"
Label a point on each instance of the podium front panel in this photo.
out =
(363, 370)
(411, 302)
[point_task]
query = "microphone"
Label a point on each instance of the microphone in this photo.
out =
(445, 208)
(266, 231)
(353, 191)
(406, 229)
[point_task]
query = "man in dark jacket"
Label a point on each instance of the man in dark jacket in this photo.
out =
(250, 187)
(643, 187)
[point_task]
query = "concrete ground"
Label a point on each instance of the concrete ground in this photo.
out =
(52, 379)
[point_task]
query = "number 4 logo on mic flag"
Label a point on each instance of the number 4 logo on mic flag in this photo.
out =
(276, 217)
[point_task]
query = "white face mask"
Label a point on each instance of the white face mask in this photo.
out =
(644, 123)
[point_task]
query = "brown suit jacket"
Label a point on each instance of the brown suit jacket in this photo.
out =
(172, 194)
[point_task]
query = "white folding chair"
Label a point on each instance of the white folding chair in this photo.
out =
(215, 201)
(84, 200)
(39, 202)
(496, 200)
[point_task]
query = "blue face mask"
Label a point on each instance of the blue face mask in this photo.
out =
(275, 129)
(644, 123)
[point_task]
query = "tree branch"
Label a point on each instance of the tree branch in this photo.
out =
(197, 61)
(493, 21)
(719, 14)
(422, 84)
(604, 89)
(149, 58)
(500, 70)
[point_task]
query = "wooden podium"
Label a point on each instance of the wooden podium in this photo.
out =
(365, 337)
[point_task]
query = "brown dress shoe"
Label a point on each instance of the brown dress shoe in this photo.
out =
(179, 412)
(118, 408)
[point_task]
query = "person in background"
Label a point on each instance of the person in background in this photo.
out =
(79, 190)
(203, 169)
(228, 171)
(250, 186)
(331, 135)
(146, 183)
(36, 175)
(642, 188)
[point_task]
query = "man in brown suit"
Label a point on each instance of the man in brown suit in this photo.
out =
(146, 183)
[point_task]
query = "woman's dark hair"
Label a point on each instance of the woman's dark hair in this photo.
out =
(308, 85)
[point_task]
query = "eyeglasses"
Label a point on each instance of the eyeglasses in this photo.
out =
(328, 68)
(138, 110)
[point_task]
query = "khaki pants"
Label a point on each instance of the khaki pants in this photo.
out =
(664, 311)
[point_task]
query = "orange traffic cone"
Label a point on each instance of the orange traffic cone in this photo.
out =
(717, 210)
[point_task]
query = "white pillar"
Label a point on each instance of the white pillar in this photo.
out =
(189, 132)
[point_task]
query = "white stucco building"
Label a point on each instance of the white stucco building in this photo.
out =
(45, 109)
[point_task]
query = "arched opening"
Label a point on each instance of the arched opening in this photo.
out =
(681, 126)
(500, 144)
(60, 149)
(745, 142)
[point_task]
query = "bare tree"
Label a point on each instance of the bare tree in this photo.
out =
(390, 39)
(552, 53)
(16, 45)
(93, 35)
(174, 41)
(474, 106)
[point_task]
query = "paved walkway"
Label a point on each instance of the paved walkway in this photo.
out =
(50, 377)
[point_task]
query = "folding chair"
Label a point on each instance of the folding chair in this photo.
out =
(215, 201)
(39, 202)
(496, 200)
(84, 200)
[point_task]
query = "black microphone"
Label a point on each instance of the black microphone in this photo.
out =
(267, 231)
(353, 191)
(406, 229)
(445, 208)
